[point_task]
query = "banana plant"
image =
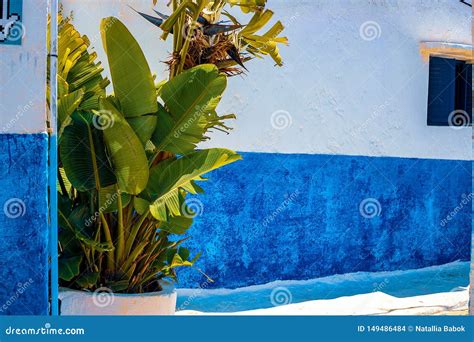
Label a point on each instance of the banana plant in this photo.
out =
(128, 161)
(200, 35)
(80, 80)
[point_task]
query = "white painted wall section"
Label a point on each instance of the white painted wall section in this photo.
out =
(23, 75)
(354, 82)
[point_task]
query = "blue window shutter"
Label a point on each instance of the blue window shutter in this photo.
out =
(441, 90)
(468, 77)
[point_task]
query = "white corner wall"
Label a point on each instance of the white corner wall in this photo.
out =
(23, 75)
(353, 83)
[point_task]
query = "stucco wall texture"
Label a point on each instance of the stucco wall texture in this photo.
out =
(353, 82)
(281, 217)
(24, 169)
(24, 224)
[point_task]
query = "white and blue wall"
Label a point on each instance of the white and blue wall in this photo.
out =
(339, 131)
(23, 165)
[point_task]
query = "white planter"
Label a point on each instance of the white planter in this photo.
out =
(104, 302)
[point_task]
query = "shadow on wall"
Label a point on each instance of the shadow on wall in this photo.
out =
(294, 216)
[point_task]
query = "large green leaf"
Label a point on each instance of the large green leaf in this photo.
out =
(68, 267)
(108, 199)
(131, 76)
(88, 280)
(126, 151)
(143, 126)
(177, 225)
(80, 222)
(83, 155)
(190, 99)
(167, 178)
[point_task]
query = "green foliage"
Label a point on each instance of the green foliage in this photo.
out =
(191, 100)
(129, 160)
(80, 81)
(200, 35)
(119, 204)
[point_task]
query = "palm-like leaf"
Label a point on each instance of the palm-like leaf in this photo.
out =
(191, 99)
(167, 178)
(77, 66)
(248, 5)
(266, 44)
(126, 151)
(83, 155)
(131, 76)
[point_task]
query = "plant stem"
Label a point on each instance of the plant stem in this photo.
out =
(187, 42)
(133, 233)
(108, 238)
(120, 228)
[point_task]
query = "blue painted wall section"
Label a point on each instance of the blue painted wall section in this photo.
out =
(23, 224)
(295, 216)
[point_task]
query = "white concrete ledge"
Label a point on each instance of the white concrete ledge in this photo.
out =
(376, 303)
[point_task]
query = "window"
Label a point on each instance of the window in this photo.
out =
(449, 92)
